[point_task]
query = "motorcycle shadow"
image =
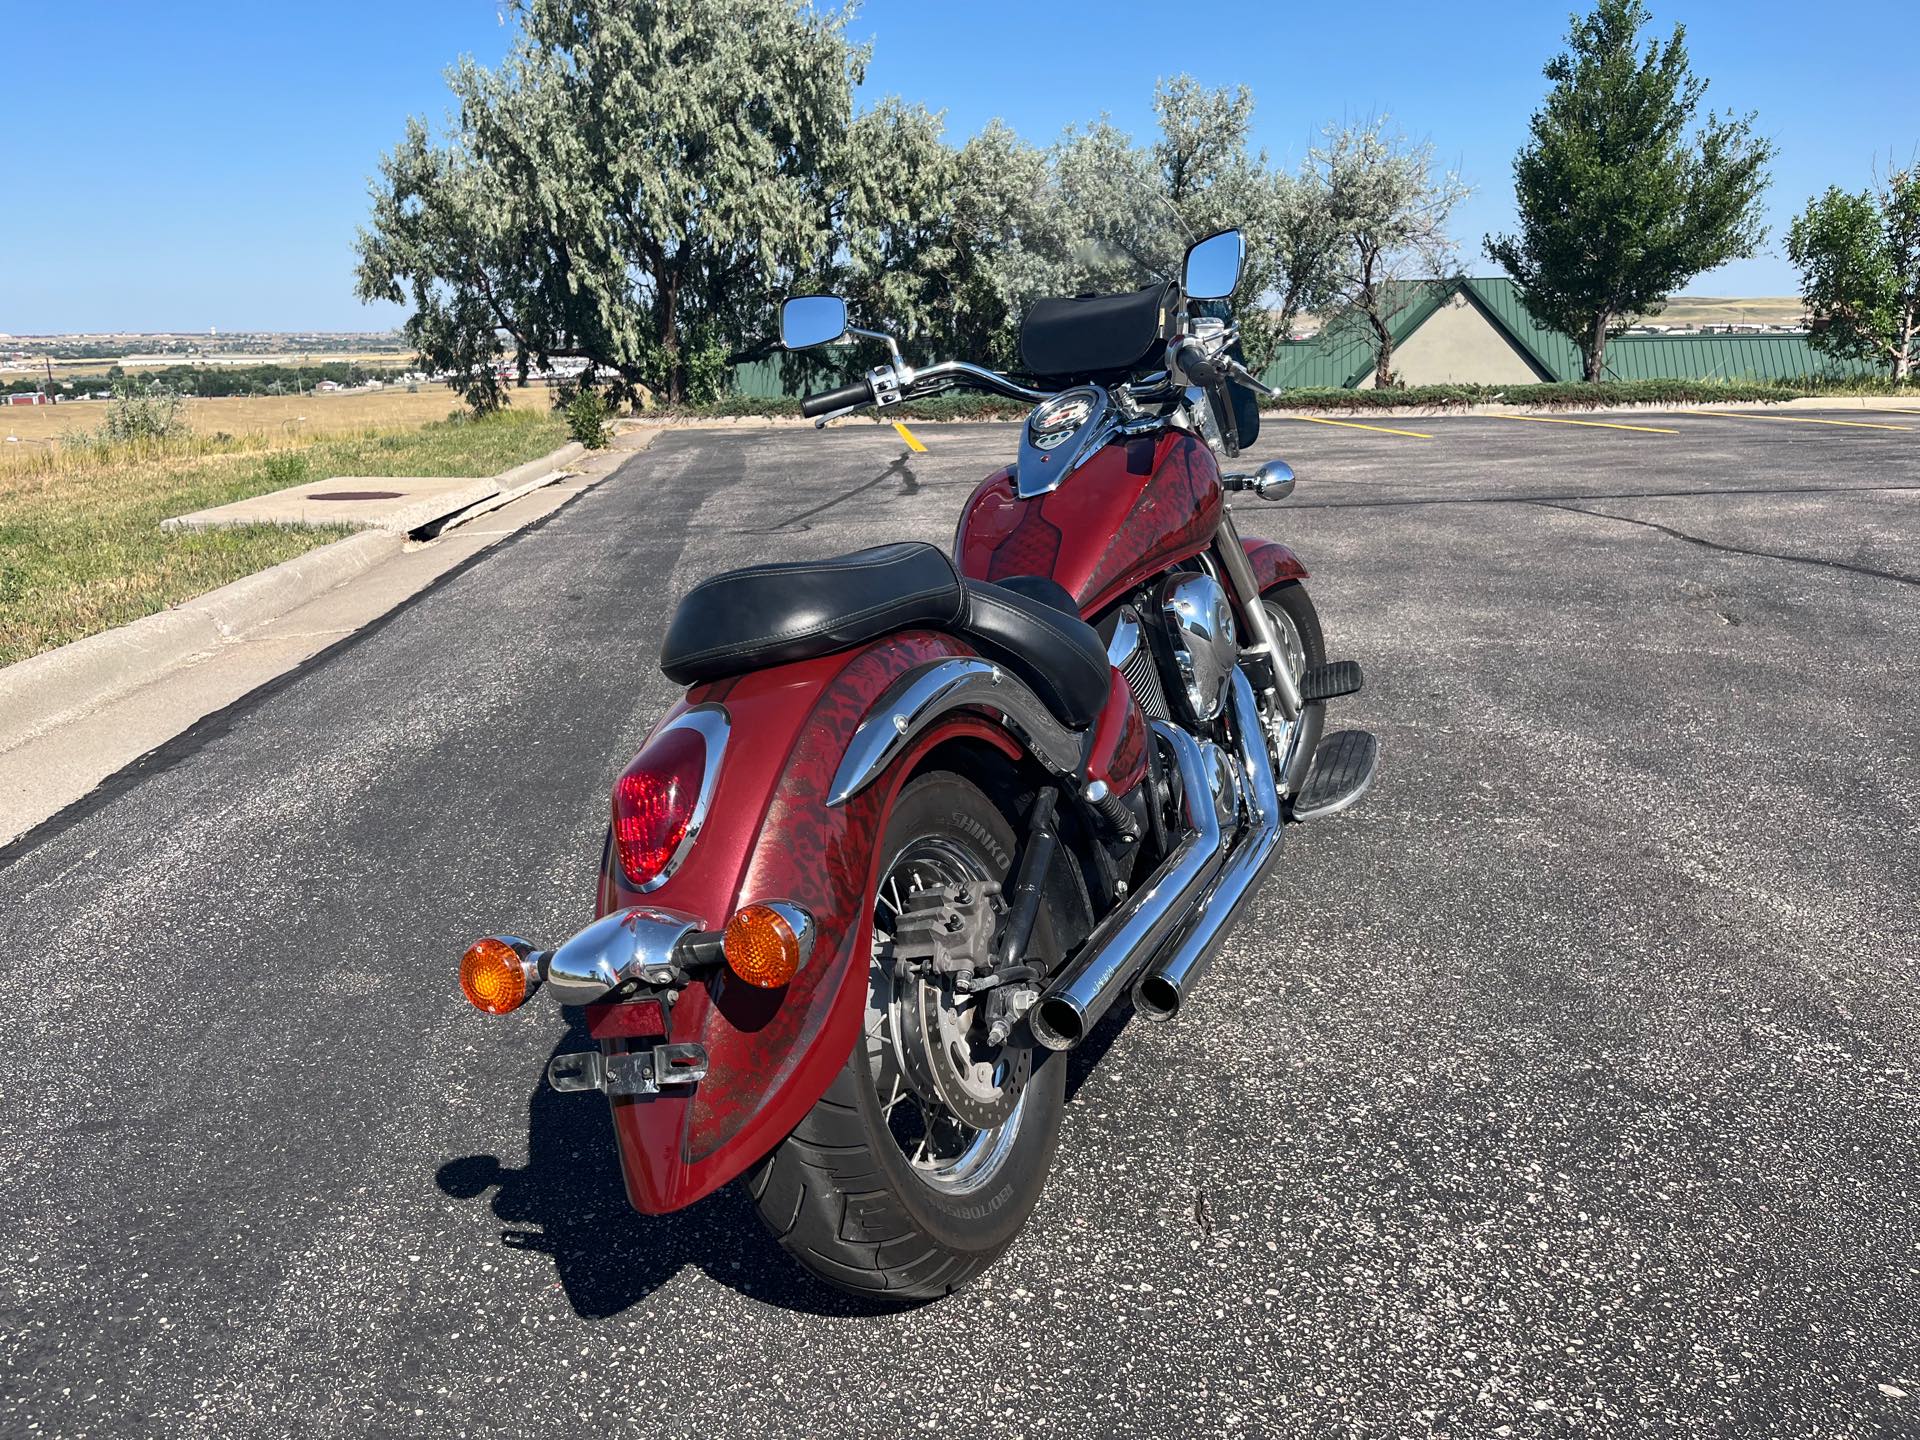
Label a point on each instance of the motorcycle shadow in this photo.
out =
(568, 1203)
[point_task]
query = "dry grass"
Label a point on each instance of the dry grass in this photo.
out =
(367, 359)
(286, 419)
(81, 549)
(1734, 310)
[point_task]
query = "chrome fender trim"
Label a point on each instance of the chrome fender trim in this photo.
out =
(921, 696)
(632, 944)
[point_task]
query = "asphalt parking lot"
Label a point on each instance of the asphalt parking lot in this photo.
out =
(1566, 1087)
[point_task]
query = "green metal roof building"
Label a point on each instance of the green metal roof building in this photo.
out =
(1477, 331)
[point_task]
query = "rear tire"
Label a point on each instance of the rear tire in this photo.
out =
(841, 1193)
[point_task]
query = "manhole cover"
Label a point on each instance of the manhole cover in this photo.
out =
(356, 495)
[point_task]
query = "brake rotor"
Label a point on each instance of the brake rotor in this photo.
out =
(932, 1037)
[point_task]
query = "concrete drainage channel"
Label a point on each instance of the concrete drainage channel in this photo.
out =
(415, 505)
(434, 529)
(73, 716)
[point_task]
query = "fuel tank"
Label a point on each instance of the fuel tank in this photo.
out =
(1133, 509)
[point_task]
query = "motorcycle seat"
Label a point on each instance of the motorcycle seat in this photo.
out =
(775, 614)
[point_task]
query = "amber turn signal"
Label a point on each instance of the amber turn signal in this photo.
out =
(767, 944)
(496, 977)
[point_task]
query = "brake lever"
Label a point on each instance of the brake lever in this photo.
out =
(1247, 377)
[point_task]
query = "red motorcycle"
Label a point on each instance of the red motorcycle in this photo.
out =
(922, 820)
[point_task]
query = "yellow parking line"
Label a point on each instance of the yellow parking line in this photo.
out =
(1590, 424)
(1350, 425)
(1890, 410)
(1803, 420)
(907, 435)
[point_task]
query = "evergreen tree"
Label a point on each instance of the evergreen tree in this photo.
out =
(1626, 191)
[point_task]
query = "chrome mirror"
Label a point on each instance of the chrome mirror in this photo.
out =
(1213, 266)
(809, 320)
(1273, 480)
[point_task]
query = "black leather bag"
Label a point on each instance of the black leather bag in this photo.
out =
(1097, 337)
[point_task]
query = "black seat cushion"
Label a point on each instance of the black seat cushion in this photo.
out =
(775, 614)
(1043, 588)
(1059, 655)
(1096, 337)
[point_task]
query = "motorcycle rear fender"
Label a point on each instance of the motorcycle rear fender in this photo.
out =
(771, 835)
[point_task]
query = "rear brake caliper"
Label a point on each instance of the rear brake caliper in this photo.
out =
(942, 943)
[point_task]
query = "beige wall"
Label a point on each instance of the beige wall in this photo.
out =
(1458, 345)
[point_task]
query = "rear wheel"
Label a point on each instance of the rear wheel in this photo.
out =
(923, 1159)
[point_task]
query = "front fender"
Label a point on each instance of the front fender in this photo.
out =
(771, 835)
(1272, 562)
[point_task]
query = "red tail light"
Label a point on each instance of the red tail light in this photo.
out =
(657, 801)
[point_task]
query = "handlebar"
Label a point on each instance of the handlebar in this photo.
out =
(1196, 365)
(858, 393)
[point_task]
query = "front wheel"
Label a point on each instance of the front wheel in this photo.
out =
(925, 1156)
(1296, 625)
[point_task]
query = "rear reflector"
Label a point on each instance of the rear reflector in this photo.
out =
(627, 1020)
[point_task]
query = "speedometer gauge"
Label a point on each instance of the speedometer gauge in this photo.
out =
(1053, 421)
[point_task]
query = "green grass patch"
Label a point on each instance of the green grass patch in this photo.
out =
(81, 548)
(1570, 396)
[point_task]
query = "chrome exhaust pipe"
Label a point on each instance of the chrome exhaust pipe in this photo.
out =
(1165, 987)
(1133, 933)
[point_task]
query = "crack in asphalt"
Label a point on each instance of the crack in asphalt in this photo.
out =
(899, 469)
(1608, 495)
(1851, 569)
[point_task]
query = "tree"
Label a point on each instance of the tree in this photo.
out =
(1859, 260)
(630, 188)
(1625, 190)
(939, 247)
(1012, 242)
(1370, 197)
(1304, 276)
(1133, 210)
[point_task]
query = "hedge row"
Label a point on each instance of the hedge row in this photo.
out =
(1575, 395)
(1569, 395)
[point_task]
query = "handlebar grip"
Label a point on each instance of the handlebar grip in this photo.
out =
(858, 393)
(1199, 369)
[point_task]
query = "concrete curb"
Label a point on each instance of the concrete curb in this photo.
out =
(39, 692)
(522, 475)
(44, 690)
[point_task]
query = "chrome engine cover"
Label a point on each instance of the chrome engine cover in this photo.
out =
(1199, 629)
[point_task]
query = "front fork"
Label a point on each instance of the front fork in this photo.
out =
(1274, 687)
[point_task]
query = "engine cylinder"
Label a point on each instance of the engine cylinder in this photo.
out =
(1205, 650)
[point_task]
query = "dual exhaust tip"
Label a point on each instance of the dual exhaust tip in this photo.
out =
(1162, 941)
(1058, 1025)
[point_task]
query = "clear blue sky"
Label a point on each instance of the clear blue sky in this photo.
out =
(203, 164)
